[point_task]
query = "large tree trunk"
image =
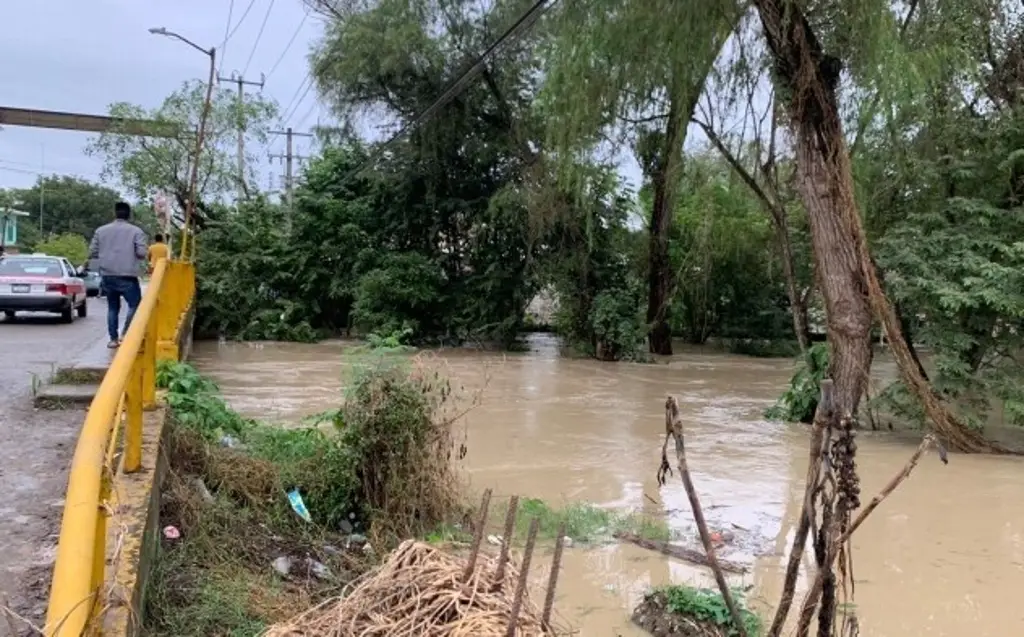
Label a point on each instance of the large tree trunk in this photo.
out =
(846, 274)
(664, 178)
(825, 183)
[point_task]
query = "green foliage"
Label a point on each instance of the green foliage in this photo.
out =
(438, 238)
(707, 605)
(72, 247)
(585, 522)
(196, 403)
(728, 279)
(618, 324)
(387, 461)
(398, 295)
(594, 264)
(69, 205)
(247, 288)
(147, 165)
(798, 402)
(395, 434)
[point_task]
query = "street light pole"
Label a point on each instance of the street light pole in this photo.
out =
(190, 204)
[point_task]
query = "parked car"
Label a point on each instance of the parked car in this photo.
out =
(92, 283)
(41, 283)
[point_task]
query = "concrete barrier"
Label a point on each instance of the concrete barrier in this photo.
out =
(134, 532)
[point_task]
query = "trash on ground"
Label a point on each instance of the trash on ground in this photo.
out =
(283, 565)
(295, 499)
(172, 532)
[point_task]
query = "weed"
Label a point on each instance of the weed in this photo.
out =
(387, 461)
(800, 400)
(396, 440)
(708, 606)
(588, 523)
(692, 612)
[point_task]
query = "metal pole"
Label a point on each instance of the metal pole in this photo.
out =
(241, 139)
(194, 176)
(288, 171)
(42, 186)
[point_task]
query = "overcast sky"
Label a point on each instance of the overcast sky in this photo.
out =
(81, 56)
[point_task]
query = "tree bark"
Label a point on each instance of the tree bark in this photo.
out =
(846, 273)
(825, 183)
(659, 274)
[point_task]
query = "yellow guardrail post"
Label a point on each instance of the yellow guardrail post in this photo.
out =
(147, 355)
(133, 427)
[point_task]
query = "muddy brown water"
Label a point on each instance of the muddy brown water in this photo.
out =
(943, 556)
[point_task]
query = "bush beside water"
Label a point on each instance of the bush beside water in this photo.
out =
(383, 468)
(684, 611)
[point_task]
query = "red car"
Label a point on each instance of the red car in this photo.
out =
(41, 283)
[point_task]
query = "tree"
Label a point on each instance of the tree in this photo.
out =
(71, 246)
(69, 205)
(607, 82)
(148, 165)
(454, 191)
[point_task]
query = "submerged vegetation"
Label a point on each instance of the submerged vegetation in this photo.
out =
(684, 611)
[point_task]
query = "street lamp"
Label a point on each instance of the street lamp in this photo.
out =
(194, 174)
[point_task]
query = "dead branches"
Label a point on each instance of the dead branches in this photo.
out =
(831, 496)
(675, 423)
(817, 587)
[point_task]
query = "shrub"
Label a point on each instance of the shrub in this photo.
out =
(798, 402)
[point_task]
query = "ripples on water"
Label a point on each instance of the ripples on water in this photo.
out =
(943, 556)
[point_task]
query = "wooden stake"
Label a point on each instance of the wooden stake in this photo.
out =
(524, 575)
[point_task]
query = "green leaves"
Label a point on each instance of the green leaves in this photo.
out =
(145, 165)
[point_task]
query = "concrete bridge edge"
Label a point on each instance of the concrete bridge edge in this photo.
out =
(133, 529)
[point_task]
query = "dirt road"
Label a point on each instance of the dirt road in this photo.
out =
(35, 449)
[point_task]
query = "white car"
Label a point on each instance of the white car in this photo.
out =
(41, 283)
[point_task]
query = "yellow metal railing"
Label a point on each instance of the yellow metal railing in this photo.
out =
(113, 422)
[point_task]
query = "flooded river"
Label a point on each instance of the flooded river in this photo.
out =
(943, 556)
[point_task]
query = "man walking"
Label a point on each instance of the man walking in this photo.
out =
(119, 249)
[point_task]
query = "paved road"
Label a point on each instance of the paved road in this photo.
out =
(35, 449)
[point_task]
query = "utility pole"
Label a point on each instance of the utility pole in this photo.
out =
(241, 83)
(289, 156)
(42, 186)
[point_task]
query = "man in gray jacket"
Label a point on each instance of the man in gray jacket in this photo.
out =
(119, 249)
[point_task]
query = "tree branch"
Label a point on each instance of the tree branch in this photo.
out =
(672, 416)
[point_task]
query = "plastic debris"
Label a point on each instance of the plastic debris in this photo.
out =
(495, 540)
(295, 499)
(172, 532)
(283, 565)
(318, 569)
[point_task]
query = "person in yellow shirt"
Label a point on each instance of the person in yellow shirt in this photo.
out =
(157, 251)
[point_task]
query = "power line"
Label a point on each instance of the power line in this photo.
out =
(227, 27)
(234, 29)
(289, 45)
(294, 103)
(525, 21)
(306, 116)
(259, 36)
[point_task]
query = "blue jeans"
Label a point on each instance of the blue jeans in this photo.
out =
(116, 287)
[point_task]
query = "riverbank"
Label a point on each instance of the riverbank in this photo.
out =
(566, 431)
(236, 558)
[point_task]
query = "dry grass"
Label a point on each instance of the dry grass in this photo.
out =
(419, 592)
